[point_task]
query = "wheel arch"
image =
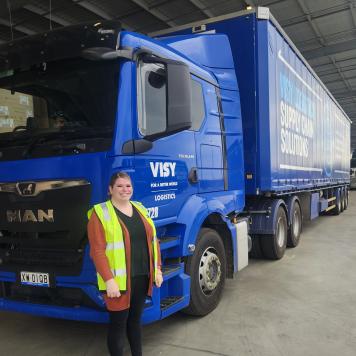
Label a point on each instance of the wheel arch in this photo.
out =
(212, 215)
(215, 222)
(265, 224)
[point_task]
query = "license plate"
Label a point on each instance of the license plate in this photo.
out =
(34, 279)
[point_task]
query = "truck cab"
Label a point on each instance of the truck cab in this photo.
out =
(84, 102)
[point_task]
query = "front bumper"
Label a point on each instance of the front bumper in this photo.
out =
(78, 314)
(152, 311)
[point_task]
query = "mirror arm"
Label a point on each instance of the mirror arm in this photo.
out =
(104, 54)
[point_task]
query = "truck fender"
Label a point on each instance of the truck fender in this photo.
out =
(227, 232)
(193, 222)
(265, 223)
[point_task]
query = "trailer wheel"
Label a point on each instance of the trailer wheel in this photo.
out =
(342, 200)
(337, 208)
(256, 249)
(274, 246)
(346, 198)
(207, 270)
(295, 229)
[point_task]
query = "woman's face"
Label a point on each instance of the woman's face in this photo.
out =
(122, 190)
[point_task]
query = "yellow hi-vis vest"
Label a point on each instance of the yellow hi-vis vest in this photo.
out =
(115, 246)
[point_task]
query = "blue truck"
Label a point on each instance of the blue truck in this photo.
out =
(230, 138)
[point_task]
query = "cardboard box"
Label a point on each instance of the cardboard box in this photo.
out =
(14, 110)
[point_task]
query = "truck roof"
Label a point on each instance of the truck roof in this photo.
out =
(135, 40)
(261, 13)
(61, 43)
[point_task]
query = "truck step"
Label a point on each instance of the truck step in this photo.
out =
(167, 242)
(170, 270)
(170, 301)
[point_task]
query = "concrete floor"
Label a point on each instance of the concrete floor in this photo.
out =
(304, 304)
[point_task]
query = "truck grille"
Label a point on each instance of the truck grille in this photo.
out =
(44, 227)
(30, 257)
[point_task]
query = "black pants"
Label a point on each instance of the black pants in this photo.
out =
(128, 321)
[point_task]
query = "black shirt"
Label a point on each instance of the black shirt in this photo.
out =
(138, 240)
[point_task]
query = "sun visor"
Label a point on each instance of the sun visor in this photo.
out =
(62, 43)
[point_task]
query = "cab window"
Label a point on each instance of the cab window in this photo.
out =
(198, 113)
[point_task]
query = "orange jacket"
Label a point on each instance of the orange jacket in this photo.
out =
(97, 244)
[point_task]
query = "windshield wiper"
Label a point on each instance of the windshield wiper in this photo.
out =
(65, 135)
(31, 138)
(72, 148)
(24, 137)
(10, 138)
(26, 152)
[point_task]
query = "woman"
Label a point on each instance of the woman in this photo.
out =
(126, 254)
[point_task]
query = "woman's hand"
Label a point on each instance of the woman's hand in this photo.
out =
(159, 278)
(112, 289)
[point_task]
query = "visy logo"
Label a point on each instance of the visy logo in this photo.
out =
(163, 169)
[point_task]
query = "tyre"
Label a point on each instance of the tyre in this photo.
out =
(256, 250)
(337, 210)
(295, 229)
(274, 246)
(346, 198)
(342, 200)
(207, 270)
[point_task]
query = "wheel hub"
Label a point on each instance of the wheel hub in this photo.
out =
(281, 233)
(296, 224)
(209, 271)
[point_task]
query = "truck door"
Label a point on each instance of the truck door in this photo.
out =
(209, 139)
(161, 178)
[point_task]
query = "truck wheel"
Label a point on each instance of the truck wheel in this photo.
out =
(274, 246)
(256, 250)
(207, 270)
(295, 229)
(346, 198)
(337, 209)
(342, 200)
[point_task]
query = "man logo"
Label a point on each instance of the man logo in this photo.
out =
(33, 216)
(26, 189)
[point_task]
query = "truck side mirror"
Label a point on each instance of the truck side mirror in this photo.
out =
(175, 76)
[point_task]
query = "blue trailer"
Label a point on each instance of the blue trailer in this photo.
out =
(227, 133)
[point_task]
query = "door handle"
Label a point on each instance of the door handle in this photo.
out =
(193, 175)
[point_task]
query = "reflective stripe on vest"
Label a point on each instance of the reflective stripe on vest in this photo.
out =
(114, 245)
(118, 272)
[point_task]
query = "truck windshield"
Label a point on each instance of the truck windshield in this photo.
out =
(61, 100)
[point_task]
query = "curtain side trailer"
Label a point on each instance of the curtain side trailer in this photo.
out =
(230, 138)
